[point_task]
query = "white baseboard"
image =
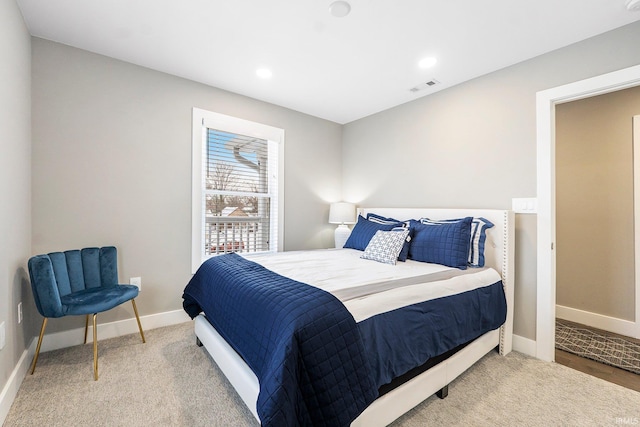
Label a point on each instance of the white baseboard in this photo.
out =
(599, 321)
(75, 337)
(12, 386)
(524, 345)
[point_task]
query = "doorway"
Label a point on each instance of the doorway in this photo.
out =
(546, 233)
(595, 277)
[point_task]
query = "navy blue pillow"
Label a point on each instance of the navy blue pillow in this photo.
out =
(381, 219)
(404, 252)
(479, 227)
(444, 243)
(364, 231)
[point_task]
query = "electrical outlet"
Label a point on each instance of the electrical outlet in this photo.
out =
(136, 281)
(19, 312)
(2, 336)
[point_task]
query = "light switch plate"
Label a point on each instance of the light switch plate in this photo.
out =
(525, 205)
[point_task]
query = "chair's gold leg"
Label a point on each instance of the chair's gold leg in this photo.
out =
(95, 348)
(135, 310)
(35, 358)
(86, 327)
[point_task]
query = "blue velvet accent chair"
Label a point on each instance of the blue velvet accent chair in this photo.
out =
(78, 282)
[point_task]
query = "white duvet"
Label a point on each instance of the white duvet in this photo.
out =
(366, 287)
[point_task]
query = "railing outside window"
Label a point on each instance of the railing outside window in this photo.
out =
(236, 234)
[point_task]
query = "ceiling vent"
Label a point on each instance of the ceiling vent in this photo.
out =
(424, 85)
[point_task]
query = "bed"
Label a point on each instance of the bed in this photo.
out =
(391, 402)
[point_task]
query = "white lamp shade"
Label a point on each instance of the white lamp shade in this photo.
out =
(342, 213)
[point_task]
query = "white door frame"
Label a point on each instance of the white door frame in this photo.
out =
(636, 216)
(546, 270)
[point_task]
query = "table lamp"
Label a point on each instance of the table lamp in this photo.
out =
(342, 213)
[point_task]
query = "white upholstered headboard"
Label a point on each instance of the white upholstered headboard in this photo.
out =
(499, 249)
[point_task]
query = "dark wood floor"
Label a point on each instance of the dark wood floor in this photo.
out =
(609, 373)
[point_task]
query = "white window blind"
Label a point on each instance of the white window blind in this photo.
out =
(237, 191)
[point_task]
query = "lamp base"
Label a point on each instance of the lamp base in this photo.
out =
(341, 235)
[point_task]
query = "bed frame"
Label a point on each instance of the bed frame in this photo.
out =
(499, 254)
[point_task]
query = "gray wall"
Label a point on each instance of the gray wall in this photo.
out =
(475, 145)
(112, 165)
(595, 269)
(111, 157)
(15, 185)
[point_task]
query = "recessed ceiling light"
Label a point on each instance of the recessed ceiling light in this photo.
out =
(264, 73)
(340, 9)
(633, 4)
(427, 62)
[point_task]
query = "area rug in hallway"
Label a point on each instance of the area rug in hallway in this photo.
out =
(614, 351)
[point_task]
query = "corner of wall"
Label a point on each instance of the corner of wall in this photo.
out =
(15, 193)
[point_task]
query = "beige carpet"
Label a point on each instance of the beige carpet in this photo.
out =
(169, 381)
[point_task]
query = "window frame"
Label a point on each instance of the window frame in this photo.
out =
(201, 120)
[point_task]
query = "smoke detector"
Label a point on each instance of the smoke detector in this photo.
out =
(633, 5)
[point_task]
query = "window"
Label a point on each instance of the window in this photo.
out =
(237, 191)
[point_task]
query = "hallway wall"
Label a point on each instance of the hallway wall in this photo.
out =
(594, 202)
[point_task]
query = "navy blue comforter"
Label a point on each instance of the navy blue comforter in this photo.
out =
(400, 340)
(301, 342)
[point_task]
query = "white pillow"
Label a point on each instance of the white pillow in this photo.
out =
(385, 246)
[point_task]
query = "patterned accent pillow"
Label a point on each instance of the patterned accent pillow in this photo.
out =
(378, 219)
(385, 246)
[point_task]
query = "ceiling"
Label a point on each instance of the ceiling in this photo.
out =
(340, 69)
